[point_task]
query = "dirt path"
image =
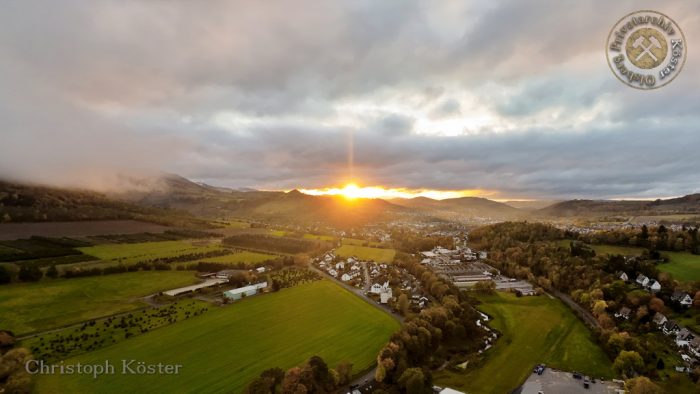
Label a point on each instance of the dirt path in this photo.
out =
(581, 312)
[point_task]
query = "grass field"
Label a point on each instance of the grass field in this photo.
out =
(135, 252)
(683, 266)
(250, 258)
(367, 253)
(321, 237)
(29, 307)
(278, 233)
(223, 349)
(534, 330)
(360, 242)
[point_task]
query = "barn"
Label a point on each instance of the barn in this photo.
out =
(246, 291)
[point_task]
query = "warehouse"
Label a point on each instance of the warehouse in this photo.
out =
(246, 291)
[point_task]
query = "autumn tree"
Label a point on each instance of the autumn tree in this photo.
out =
(628, 363)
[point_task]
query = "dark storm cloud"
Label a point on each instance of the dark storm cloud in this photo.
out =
(273, 94)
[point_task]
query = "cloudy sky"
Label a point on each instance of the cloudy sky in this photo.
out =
(511, 98)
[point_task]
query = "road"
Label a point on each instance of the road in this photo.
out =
(583, 313)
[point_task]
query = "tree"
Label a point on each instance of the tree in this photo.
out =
(628, 363)
(344, 370)
(29, 273)
(656, 305)
(642, 385)
(5, 276)
(599, 308)
(292, 382)
(403, 304)
(52, 272)
(485, 287)
(412, 380)
(660, 364)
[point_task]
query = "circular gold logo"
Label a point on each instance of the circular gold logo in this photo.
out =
(646, 49)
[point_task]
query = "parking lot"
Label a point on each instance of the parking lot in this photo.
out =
(554, 381)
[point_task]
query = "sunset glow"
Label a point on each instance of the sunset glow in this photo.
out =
(352, 191)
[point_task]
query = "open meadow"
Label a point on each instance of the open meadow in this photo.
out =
(367, 253)
(534, 330)
(134, 252)
(38, 306)
(234, 259)
(222, 350)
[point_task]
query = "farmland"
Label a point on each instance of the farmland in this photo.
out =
(245, 257)
(29, 307)
(235, 343)
(321, 237)
(534, 330)
(10, 231)
(135, 252)
(367, 253)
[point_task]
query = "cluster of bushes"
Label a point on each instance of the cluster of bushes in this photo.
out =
(314, 376)
(655, 238)
(93, 334)
(39, 248)
(274, 244)
(292, 277)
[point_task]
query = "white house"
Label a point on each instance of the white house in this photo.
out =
(385, 295)
(682, 298)
(340, 265)
(260, 270)
(642, 280)
(347, 277)
(333, 272)
(623, 276)
(483, 255)
(659, 319)
(655, 286)
(375, 288)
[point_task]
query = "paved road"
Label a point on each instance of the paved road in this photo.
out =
(583, 313)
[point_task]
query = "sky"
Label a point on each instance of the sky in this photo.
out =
(503, 99)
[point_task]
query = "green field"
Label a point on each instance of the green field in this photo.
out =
(534, 330)
(684, 266)
(367, 253)
(135, 252)
(38, 306)
(615, 249)
(278, 233)
(247, 257)
(224, 349)
(321, 237)
(360, 242)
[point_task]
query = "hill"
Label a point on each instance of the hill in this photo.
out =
(34, 203)
(689, 204)
(462, 207)
(294, 207)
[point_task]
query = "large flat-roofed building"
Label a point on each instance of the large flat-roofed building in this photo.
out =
(247, 291)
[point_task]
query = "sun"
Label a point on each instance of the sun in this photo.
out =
(351, 191)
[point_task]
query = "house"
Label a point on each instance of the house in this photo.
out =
(340, 265)
(333, 272)
(671, 328)
(260, 269)
(483, 255)
(682, 298)
(683, 337)
(385, 295)
(659, 319)
(623, 313)
(225, 274)
(623, 276)
(655, 286)
(348, 277)
(642, 280)
(375, 288)
(245, 291)
(694, 346)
